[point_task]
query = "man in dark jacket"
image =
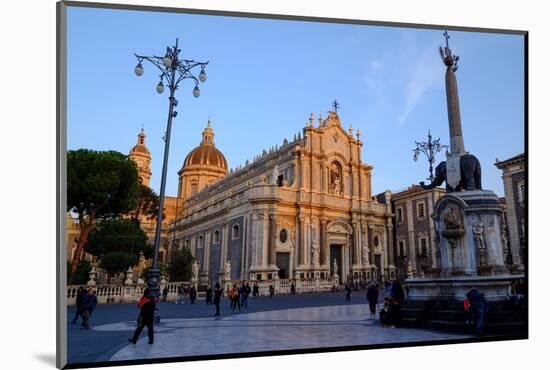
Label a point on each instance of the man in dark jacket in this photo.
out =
(397, 291)
(192, 294)
(147, 305)
(208, 298)
(79, 295)
(89, 302)
(478, 306)
(372, 297)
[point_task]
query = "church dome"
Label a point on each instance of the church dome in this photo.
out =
(206, 154)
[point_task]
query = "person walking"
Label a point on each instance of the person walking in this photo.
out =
(180, 295)
(218, 291)
(186, 293)
(292, 288)
(255, 290)
(478, 308)
(147, 305)
(271, 291)
(248, 290)
(165, 294)
(79, 295)
(348, 293)
(208, 299)
(244, 296)
(372, 297)
(235, 298)
(192, 294)
(89, 302)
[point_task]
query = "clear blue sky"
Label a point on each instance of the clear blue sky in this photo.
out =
(266, 76)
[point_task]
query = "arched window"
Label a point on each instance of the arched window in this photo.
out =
(235, 232)
(216, 236)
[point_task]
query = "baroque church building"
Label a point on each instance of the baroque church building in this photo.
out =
(299, 211)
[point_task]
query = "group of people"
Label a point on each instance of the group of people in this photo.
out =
(239, 296)
(186, 294)
(86, 301)
(393, 295)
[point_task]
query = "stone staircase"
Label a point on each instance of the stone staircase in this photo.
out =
(502, 319)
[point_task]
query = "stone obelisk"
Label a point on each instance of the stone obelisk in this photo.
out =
(453, 110)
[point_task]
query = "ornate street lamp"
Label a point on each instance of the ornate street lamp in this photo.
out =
(173, 70)
(430, 149)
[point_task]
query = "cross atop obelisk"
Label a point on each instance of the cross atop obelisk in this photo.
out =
(453, 106)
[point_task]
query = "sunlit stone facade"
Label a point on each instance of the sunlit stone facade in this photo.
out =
(301, 210)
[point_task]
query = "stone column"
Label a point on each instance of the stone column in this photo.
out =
(371, 244)
(223, 256)
(272, 239)
(391, 260)
(207, 242)
(322, 241)
(355, 244)
(244, 250)
(301, 239)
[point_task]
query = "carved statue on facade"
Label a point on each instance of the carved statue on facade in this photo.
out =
(452, 221)
(195, 268)
(275, 177)
(227, 270)
(336, 185)
(336, 179)
(314, 245)
(335, 267)
(480, 242)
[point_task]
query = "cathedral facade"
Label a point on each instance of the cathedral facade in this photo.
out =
(298, 211)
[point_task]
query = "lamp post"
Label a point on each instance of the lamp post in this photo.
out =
(173, 70)
(429, 149)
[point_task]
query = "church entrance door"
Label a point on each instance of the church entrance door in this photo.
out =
(336, 253)
(283, 262)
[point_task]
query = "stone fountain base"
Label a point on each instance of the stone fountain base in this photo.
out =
(495, 287)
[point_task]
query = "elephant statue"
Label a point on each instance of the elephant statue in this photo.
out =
(470, 175)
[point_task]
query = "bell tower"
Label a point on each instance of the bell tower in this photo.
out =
(142, 157)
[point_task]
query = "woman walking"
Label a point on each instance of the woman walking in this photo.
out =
(147, 305)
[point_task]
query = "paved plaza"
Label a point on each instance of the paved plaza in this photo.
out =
(282, 323)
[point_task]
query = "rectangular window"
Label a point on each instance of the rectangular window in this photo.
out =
(420, 208)
(399, 215)
(194, 189)
(401, 248)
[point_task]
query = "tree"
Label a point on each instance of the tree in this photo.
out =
(147, 204)
(116, 262)
(81, 275)
(99, 185)
(179, 268)
(116, 235)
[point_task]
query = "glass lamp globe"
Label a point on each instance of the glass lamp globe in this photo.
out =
(202, 76)
(167, 61)
(160, 88)
(196, 92)
(139, 70)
